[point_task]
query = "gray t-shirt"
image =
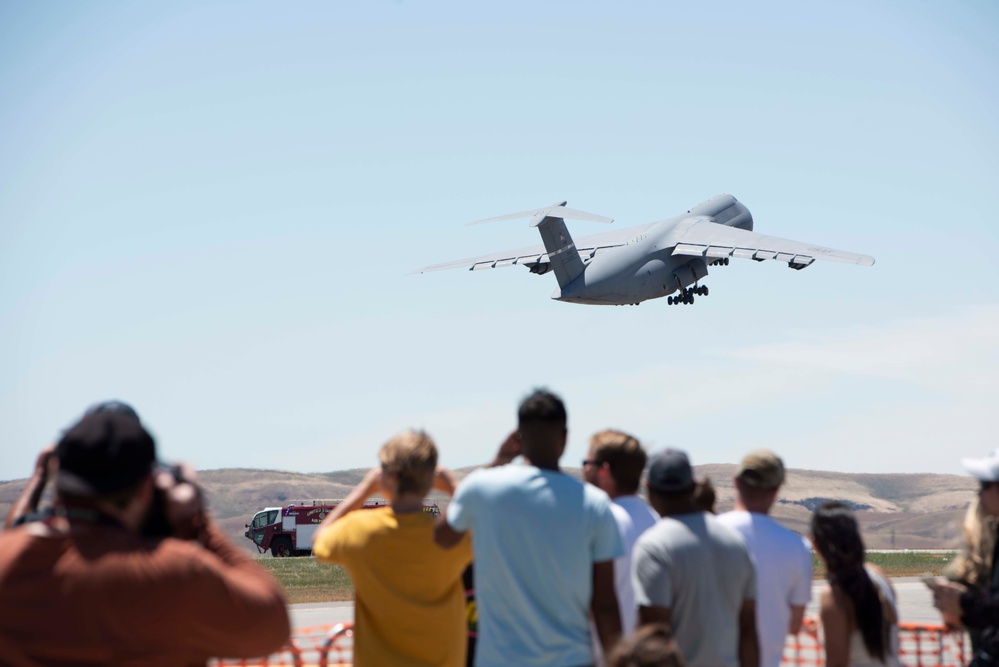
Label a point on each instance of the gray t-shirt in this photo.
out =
(701, 571)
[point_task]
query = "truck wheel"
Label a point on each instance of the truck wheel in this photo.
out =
(281, 547)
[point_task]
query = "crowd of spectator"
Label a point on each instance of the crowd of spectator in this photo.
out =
(128, 567)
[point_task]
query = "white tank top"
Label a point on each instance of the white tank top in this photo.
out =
(859, 657)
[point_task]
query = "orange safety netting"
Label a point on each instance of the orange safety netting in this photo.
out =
(320, 646)
(920, 645)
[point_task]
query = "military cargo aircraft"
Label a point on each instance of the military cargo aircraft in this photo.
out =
(665, 258)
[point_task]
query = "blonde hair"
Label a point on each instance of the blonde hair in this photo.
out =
(412, 457)
(973, 564)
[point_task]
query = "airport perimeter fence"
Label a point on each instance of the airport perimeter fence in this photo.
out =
(920, 645)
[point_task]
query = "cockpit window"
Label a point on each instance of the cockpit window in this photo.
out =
(264, 519)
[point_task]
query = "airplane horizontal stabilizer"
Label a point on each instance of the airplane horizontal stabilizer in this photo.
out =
(557, 210)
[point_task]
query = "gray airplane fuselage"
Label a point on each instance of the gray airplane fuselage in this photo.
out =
(646, 268)
(665, 258)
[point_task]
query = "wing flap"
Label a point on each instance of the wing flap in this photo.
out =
(718, 251)
(710, 239)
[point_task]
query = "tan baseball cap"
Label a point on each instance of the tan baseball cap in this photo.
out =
(761, 469)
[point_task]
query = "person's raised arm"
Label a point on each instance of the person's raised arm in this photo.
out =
(369, 486)
(444, 481)
(27, 502)
(604, 606)
(749, 645)
(509, 449)
(444, 534)
(237, 608)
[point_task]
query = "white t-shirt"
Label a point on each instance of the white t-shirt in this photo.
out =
(783, 562)
(633, 518)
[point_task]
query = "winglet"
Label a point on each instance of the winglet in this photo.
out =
(557, 210)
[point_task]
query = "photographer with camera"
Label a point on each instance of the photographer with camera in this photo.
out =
(87, 583)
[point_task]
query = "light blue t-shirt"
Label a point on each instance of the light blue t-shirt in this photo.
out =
(536, 535)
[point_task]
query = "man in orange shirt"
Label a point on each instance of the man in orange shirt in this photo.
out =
(409, 607)
(82, 586)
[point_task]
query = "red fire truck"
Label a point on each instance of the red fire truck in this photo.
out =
(289, 530)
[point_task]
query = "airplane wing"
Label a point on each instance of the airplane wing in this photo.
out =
(710, 239)
(587, 248)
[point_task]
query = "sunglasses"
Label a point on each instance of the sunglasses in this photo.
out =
(590, 462)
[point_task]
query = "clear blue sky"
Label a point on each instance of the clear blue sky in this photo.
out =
(210, 210)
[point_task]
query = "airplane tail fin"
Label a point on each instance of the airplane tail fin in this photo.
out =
(561, 251)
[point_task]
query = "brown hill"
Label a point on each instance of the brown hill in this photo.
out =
(896, 511)
(911, 511)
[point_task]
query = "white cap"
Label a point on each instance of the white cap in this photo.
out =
(985, 470)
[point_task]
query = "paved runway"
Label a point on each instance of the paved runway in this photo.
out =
(320, 613)
(914, 600)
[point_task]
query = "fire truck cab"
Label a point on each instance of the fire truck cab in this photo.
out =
(290, 530)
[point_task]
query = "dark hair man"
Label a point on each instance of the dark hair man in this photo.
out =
(409, 602)
(544, 546)
(694, 573)
(614, 464)
(782, 558)
(82, 586)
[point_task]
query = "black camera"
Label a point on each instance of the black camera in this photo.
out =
(157, 524)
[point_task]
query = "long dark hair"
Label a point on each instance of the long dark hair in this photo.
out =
(837, 538)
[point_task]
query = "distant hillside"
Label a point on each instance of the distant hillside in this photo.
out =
(912, 511)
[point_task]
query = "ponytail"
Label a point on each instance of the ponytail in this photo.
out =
(837, 539)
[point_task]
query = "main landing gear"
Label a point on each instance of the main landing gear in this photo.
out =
(687, 295)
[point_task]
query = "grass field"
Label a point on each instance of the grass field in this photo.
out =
(901, 563)
(306, 580)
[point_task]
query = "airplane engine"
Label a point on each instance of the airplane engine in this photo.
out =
(539, 268)
(689, 273)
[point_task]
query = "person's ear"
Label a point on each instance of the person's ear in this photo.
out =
(389, 481)
(146, 491)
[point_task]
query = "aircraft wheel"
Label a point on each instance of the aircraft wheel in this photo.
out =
(669, 300)
(705, 288)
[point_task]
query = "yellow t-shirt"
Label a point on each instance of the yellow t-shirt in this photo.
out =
(409, 601)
